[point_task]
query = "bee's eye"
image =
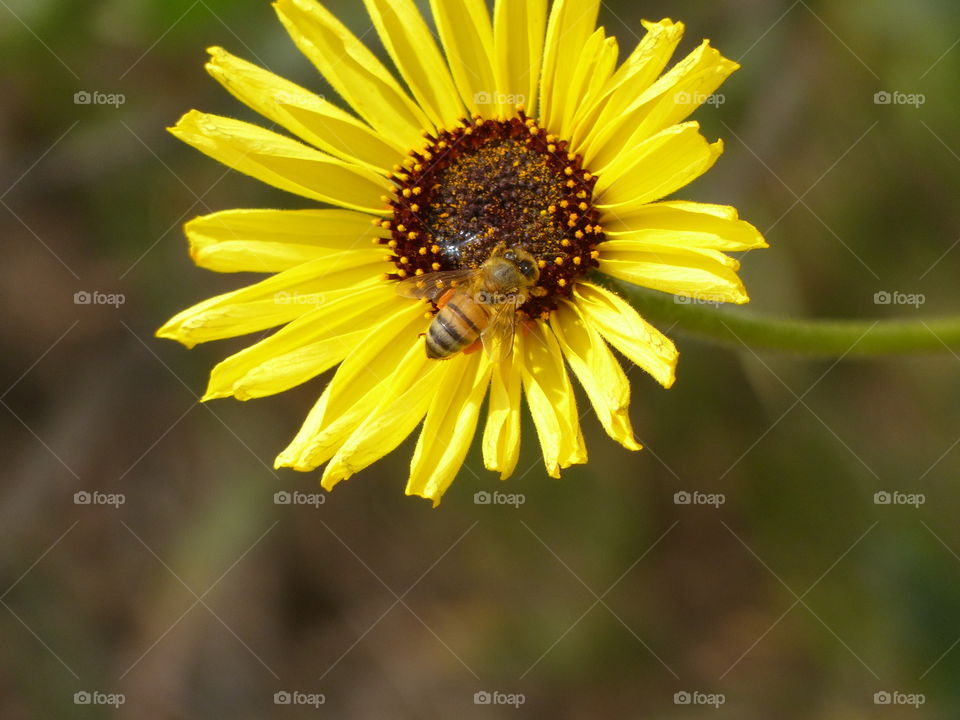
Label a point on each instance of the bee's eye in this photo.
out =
(526, 268)
(510, 255)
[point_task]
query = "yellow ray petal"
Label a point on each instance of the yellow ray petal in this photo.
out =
(400, 409)
(685, 224)
(283, 163)
(448, 430)
(464, 27)
(598, 371)
(501, 434)
(358, 386)
(656, 168)
(308, 346)
(519, 27)
(551, 400)
(623, 328)
(634, 76)
(598, 57)
(410, 44)
(306, 115)
(568, 29)
(669, 100)
(275, 240)
(354, 72)
(277, 299)
(705, 275)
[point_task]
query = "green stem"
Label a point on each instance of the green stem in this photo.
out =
(737, 328)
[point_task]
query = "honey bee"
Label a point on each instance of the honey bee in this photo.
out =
(476, 303)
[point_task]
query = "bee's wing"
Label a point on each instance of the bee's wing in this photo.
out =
(498, 336)
(433, 285)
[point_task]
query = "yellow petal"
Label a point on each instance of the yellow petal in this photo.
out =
(283, 163)
(354, 72)
(670, 100)
(467, 37)
(551, 400)
(598, 58)
(277, 299)
(308, 346)
(410, 44)
(685, 224)
(705, 274)
(634, 76)
(306, 115)
(598, 371)
(658, 167)
(275, 240)
(570, 26)
(519, 28)
(448, 430)
(371, 369)
(400, 409)
(623, 328)
(501, 435)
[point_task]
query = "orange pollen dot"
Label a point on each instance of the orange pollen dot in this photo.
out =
(435, 249)
(405, 260)
(385, 224)
(417, 190)
(407, 192)
(595, 254)
(401, 228)
(568, 171)
(577, 260)
(558, 261)
(583, 206)
(412, 235)
(415, 208)
(565, 242)
(562, 282)
(578, 234)
(392, 244)
(564, 204)
(435, 266)
(551, 148)
(402, 273)
(541, 264)
(422, 251)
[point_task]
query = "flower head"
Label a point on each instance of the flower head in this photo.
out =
(521, 142)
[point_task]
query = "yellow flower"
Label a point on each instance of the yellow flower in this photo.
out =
(522, 133)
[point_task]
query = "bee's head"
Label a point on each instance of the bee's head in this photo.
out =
(525, 263)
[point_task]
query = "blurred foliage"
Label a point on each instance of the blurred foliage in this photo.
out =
(599, 597)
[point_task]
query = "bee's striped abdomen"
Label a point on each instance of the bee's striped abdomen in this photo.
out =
(457, 325)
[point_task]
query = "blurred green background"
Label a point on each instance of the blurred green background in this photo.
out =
(199, 597)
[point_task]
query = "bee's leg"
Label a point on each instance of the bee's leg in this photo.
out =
(477, 345)
(445, 298)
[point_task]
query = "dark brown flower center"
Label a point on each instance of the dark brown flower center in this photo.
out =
(488, 182)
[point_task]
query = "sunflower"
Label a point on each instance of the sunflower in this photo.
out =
(522, 132)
